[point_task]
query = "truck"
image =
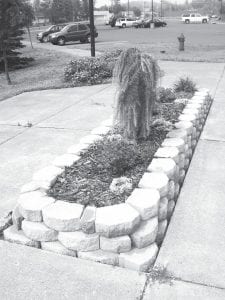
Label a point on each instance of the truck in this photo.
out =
(194, 18)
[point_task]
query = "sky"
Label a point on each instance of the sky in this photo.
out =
(99, 3)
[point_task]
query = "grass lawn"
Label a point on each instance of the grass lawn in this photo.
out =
(45, 72)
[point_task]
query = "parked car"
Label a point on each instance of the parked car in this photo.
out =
(157, 22)
(194, 18)
(139, 23)
(43, 36)
(125, 22)
(112, 21)
(79, 31)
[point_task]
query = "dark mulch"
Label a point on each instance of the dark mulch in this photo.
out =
(87, 181)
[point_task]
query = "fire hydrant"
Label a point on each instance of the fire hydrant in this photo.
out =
(181, 40)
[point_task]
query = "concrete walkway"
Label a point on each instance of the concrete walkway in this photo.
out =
(193, 251)
(191, 260)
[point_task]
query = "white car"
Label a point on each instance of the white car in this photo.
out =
(194, 18)
(125, 22)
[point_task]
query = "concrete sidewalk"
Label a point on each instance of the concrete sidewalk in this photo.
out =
(192, 254)
(193, 251)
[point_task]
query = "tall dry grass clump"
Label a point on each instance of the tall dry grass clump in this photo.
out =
(136, 75)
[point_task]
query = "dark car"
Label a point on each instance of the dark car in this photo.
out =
(157, 22)
(44, 35)
(73, 32)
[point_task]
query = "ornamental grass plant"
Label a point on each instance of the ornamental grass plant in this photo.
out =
(136, 75)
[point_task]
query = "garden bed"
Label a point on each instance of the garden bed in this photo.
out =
(87, 181)
(127, 234)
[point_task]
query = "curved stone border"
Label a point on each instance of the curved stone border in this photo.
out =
(127, 234)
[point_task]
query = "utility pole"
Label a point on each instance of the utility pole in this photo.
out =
(152, 13)
(128, 8)
(161, 9)
(92, 27)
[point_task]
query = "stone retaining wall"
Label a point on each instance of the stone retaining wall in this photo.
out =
(128, 234)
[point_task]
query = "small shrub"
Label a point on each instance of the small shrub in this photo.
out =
(185, 84)
(119, 156)
(91, 70)
(166, 95)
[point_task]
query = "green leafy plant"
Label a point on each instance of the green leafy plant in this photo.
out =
(91, 70)
(136, 76)
(166, 95)
(185, 84)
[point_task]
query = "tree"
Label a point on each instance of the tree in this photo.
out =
(85, 10)
(28, 17)
(76, 10)
(61, 11)
(137, 11)
(45, 9)
(10, 32)
(136, 76)
(68, 10)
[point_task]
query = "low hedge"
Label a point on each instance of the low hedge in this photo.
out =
(91, 70)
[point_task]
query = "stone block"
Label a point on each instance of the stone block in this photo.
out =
(193, 144)
(155, 180)
(184, 125)
(170, 208)
(139, 259)
(171, 190)
(194, 134)
(182, 175)
(17, 218)
(177, 174)
(31, 205)
(48, 175)
(118, 244)
(174, 142)
(186, 165)
(145, 201)
(178, 133)
(87, 221)
(163, 209)
(177, 189)
(63, 216)
(190, 153)
(90, 139)
(191, 111)
(79, 241)
(161, 231)
(146, 233)
(163, 165)
(35, 186)
(13, 235)
(168, 152)
(102, 130)
(38, 231)
(186, 147)
(57, 247)
(78, 149)
(101, 257)
(190, 118)
(5, 222)
(182, 161)
(116, 220)
(65, 160)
